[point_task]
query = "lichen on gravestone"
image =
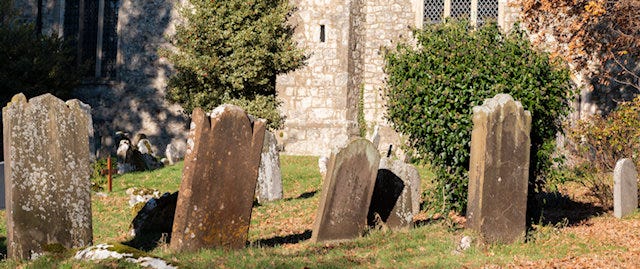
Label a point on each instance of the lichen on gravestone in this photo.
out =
(47, 162)
(269, 186)
(219, 180)
(346, 192)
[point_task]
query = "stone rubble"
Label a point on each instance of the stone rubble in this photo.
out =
(105, 251)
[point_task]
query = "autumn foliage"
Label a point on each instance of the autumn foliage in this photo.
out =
(601, 37)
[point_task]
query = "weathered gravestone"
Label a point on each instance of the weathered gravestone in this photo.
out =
(346, 192)
(396, 196)
(499, 169)
(218, 180)
(625, 188)
(47, 174)
(171, 154)
(269, 177)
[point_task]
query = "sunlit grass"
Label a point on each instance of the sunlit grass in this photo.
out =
(279, 233)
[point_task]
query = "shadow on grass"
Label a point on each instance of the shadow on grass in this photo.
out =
(560, 209)
(3, 248)
(305, 195)
(149, 241)
(423, 222)
(279, 240)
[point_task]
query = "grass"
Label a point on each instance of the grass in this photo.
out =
(279, 233)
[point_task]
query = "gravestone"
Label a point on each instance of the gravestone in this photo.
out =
(171, 154)
(218, 180)
(269, 186)
(396, 196)
(499, 169)
(153, 223)
(143, 144)
(47, 174)
(625, 188)
(346, 192)
(375, 137)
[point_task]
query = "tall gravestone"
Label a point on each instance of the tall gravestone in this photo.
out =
(499, 169)
(396, 196)
(48, 197)
(218, 181)
(625, 188)
(269, 186)
(346, 192)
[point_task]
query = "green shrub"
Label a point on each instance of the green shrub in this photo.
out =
(598, 142)
(432, 90)
(232, 50)
(603, 140)
(264, 107)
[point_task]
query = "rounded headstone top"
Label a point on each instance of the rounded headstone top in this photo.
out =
(624, 166)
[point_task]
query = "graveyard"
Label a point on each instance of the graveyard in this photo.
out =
(280, 231)
(357, 134)
(235, 202)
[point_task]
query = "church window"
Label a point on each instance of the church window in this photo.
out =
(476, 11)
(91, 27)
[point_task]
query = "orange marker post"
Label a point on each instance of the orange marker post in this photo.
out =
(109, 172)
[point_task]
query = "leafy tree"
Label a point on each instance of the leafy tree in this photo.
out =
(432, 90)
(230, 52)
(32, 63)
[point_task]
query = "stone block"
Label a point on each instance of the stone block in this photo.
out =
(346, 192)
(269, 186)
(47, 165)
(396, 196)
(218, 181)
(625, 188)
(499, 170)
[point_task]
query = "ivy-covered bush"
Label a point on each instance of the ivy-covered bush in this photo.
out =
(432, 90)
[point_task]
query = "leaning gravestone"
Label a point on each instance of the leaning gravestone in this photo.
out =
(47, 174)
(396, 196)
(269, 177)
(218, 180)
(499, 169)
(346, 192)
(625, 188)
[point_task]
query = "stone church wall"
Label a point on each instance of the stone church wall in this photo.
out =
(135, 103)
(315, 96)
(344, 40)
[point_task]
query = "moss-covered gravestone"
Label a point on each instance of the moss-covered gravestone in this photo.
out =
(346, 192)
(218, 181)
(47, 169)
(499, 170)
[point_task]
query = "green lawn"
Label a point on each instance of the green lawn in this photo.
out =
(280, 231)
